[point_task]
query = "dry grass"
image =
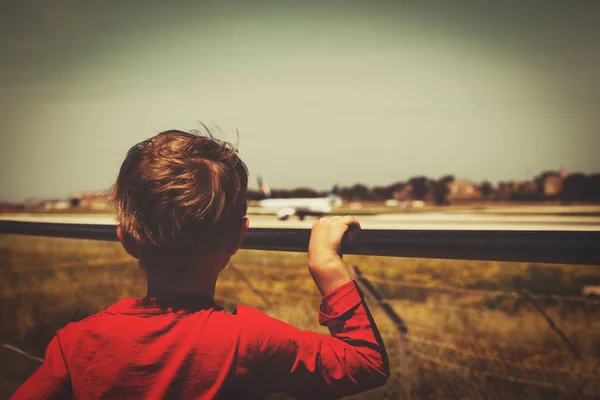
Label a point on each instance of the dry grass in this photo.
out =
(460, 345)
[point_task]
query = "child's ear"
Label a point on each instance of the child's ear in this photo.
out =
(128, 243)
(242, 234)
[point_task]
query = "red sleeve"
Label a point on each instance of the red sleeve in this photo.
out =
(306, 364)
(50, 380)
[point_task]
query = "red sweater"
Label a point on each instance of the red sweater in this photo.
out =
(138, 349)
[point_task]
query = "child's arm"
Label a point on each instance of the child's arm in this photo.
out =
(51, 380)
(310, 365)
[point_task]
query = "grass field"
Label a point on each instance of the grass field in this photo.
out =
(466, 338)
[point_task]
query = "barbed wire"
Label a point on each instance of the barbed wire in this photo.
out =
(435, 331)
(281, 294)
(263, 291)
(292, 272)
(459, 309)
(22, 352)
(479, 311)
(67, 265)
(436, 360)
(75, 285)
(469, 352)
(265, 294)
(529, 382)
(481, 292)
(248, 283)
(440, 361)
(498, 344)
(293, 294)
(455, 348)
(494, 361)
(572, 347)
(300, 269)
(471, 371)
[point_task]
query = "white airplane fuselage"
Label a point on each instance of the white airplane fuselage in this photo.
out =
(285, 208)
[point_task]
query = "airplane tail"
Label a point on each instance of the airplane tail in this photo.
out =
(263, 186)
(335, 191)
(334, 197)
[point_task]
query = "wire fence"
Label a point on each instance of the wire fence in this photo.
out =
(468, 359)
(419, 345)
(481, 292)
(457, 352)
(567, 361)
(477, 363)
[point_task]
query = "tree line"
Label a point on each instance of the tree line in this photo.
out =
(548, 186)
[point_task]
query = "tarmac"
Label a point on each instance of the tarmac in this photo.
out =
(398, 221)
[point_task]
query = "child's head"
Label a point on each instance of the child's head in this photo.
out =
(180, 196)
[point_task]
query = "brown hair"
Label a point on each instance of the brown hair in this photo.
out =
(178, 192)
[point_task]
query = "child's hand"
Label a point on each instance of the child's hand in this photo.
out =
(324, 252)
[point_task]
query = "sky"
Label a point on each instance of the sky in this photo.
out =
(321, 93)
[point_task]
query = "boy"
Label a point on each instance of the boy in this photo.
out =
(181, 204)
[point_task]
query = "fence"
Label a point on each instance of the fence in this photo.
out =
(562, 247)
(422, 344)
(494, 367)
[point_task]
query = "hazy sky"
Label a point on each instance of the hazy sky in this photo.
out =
(321, 92)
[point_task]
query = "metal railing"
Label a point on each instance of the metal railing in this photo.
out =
(558, 247)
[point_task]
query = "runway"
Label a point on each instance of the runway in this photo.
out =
(400, 221)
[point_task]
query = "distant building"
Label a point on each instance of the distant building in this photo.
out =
(403, 194)
(31, 204)
(75, 199)
(523, 191)
(550, 184)
(502, 191)
(55, 205)
(392, 203)
(528, 187)
(355, 205)
(89, 200)
(462, 189)
(11, 207)
(417, 204)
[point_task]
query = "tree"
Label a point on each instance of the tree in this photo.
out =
(254, 195)
(304, 193)
(441, 189)
(383, 192)
(356, 192)
(486, 189)
(574, 188)
(420, 187)
(398, 186)
(593, 185)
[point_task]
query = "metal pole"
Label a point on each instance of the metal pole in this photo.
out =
(559, 247)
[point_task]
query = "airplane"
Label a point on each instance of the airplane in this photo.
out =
(301, 207)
